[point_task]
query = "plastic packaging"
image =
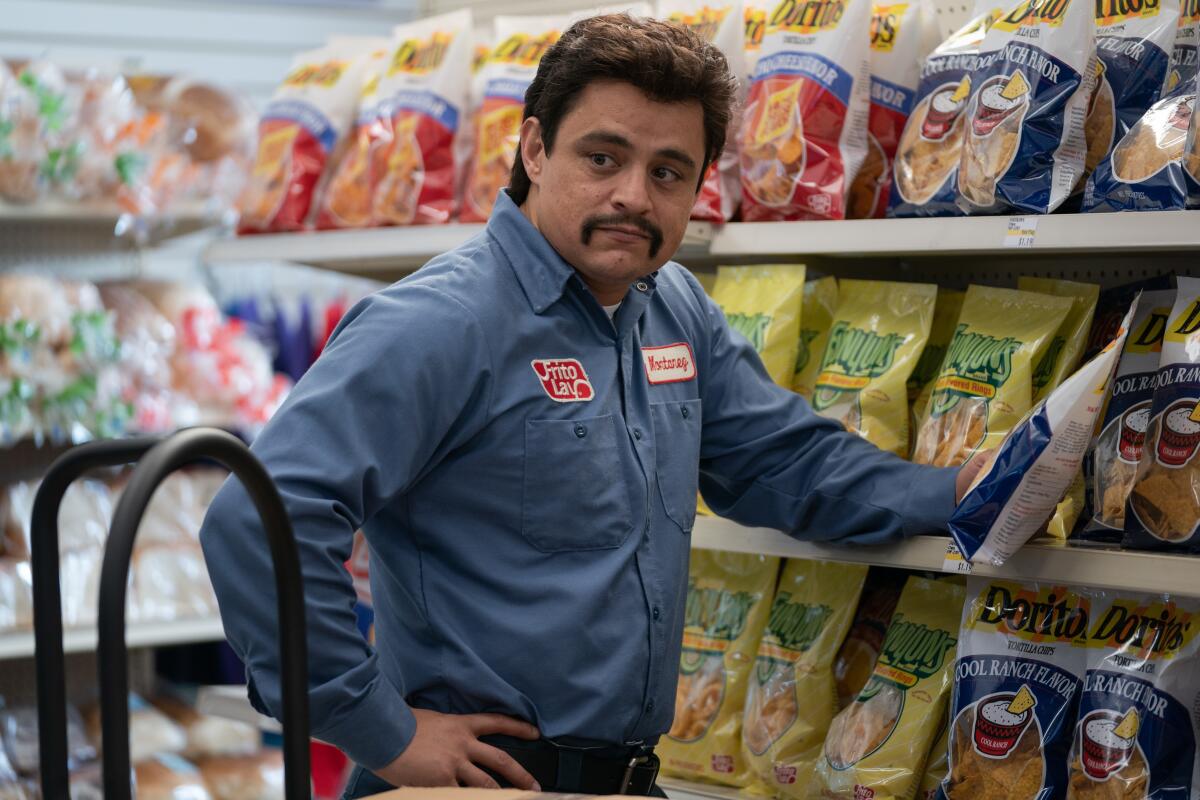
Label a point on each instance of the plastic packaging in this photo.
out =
(19, 727)
(171, 582)
(151, 732)
(83, 518)
(258, 777)
(16, 595)
(763, 303)
(208, 735)
(816, 316)
(167, 777)
(856, 657)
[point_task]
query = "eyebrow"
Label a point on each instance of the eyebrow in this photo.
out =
(617, 140)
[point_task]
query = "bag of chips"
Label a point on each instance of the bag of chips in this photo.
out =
(301, 131)
(804, 128)
(725, 27)
(1023, 144)
(941, 331)
(900, 40)
(1014, 495)
(928, 152)
(755, 15)
(1066, 347)
(1164, 506)
(1137, 730)
(500, 97)
(792, 697)
(877, 746)
(857, 655)
(878, 332)
(816, 317)
(1191, 158)
(728, 601)
(1017, 680)
(936, 766)
(763, 303)
(985, 384)
(1118, 448)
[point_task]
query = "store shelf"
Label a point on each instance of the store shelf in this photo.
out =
(677, 789)
(56, 210)
(154, 634)
(1038, 561)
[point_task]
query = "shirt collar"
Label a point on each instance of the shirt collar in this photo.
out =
(541, 271)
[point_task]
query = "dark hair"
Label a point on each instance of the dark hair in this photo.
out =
(668, 62)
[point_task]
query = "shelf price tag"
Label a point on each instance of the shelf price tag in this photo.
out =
(1021, 231)
(955, 561)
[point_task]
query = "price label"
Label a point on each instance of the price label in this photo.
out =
(1021, 231)
(955, 561)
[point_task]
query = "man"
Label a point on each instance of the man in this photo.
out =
(520, 429)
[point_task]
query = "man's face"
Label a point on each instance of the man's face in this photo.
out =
(614, 196)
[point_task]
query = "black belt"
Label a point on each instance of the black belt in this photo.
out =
(600, 770)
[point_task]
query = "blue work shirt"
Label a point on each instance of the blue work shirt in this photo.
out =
(525, 472)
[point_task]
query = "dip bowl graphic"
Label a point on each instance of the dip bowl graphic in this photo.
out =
(997, 730)
(1180, 434)
(943, 112)
(1104, 750)
(993, 107)
(1133, 433)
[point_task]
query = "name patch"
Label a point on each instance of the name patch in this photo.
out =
(670, 363)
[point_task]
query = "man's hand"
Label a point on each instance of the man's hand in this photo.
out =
(446, 751)
(969, 471)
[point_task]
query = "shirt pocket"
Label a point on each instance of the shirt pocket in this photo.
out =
(576, 494)
(677, 446)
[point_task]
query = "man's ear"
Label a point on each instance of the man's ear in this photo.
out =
(533, 150)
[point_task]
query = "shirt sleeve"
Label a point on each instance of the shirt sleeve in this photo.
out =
(768, 460)
(402, 381)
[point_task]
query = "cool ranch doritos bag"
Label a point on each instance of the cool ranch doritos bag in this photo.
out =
(724, 25)
(1023, 145)
(927, 155)
(900, 33)
(728, 600)
(1021, 661)
(803, 132)
(300, 132)
(507, 71)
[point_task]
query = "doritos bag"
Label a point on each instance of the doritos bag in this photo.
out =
(1164, 507)
(1023, 145)
(792, 698)
(1137, 730)
(425, 87)
(928, 152)
(803, 131)
(899, 42)
(763, 303)
(500, 97)
(878, 332)
(985, 384)
(816, 317)
(1066, 347)
(728, 600)
(755, 15)
(1020, 667)
(1191, 157)
(1014, 495)
(877, 746)
(1118, 449)
(941, 331)
(724, 25)
(301, 130)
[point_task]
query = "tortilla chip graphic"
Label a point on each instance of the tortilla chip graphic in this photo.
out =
(1022, 702)
(963, 90)
(1016, 86)
(776, 119)
(1129, 725)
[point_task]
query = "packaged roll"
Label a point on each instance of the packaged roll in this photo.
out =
(257, 777)
(208, 735)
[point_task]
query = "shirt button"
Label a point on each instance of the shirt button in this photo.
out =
(580, 431)
(637, 433)
(655, 612)
(685, 412)
(641, 286)
(650, 706)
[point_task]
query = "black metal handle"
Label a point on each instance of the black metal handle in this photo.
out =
(47, 600)
(163, 459)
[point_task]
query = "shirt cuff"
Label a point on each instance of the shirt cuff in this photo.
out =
(374, 731)
(932, 496)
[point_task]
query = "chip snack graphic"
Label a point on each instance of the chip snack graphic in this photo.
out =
(816, 317)
(728, 603)
(877, 746)
(993, 135)
(764, 303)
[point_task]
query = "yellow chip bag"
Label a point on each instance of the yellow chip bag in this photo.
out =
(728, 600)
(878, 332)
(1066, 348)
(985, 384)
(936, 765)
(820, 301)
(707, 281)
(877, 746)
(945, 318)
(763, 304)
(792, 697)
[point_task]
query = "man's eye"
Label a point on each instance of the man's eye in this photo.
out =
(666, 174)
(601, 159)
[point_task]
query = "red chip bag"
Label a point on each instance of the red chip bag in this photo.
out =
(804, 127)
(300, 132)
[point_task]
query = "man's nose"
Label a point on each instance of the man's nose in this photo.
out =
(632, 192)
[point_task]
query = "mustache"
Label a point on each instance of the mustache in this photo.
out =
(652, 231)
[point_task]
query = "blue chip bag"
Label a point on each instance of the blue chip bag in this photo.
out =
(1023, 144)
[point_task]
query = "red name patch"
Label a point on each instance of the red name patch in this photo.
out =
(670, 363)
(564, 379)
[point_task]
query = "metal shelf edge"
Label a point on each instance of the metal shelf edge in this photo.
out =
(149, 634)
(678, 789)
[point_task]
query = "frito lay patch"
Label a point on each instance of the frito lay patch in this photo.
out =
(791, 698)
(803, 129)
(878, 332)
(763, 303)
(1023, 141)
(303, 126)
(816, 317)
(728, 602)
(877, 746)
(1017, 680)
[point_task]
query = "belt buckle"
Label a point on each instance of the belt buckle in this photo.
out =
(634, 763)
